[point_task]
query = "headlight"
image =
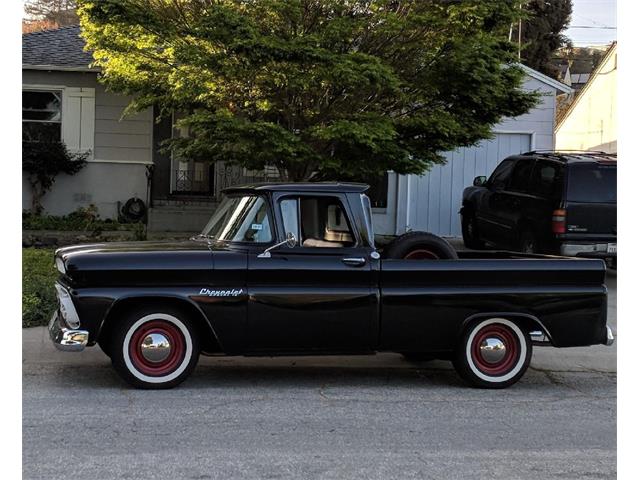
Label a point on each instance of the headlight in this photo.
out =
(60, 266)
(67, 310)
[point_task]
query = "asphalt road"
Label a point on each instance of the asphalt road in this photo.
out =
(375, 417)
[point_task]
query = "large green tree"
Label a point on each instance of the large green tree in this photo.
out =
(542, 32)
(332, 88)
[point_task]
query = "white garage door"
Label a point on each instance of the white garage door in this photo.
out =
(436, 197)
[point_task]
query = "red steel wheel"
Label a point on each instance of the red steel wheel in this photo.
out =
(493, 353)
(421, 254)
(495, 349)
(156, 348)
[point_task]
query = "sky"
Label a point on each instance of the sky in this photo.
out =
(594, 14)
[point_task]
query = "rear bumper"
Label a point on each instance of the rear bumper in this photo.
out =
(610, 337)
(64, 338)
(588, 249)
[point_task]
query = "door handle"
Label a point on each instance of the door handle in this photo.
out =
(354, 261)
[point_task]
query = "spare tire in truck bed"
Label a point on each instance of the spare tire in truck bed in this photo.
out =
(420, 246)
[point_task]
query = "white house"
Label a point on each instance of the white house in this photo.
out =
(63, 100)
(591, 121)
(431, 202)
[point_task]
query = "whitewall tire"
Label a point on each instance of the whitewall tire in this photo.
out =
(155, 348)
(493, 353)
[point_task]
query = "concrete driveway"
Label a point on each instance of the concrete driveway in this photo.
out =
(340, 417)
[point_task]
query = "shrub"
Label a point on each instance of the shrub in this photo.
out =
(38, 292)
(83, 219)
(43, 161)
(139, 231)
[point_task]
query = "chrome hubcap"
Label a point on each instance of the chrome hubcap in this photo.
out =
(155, 347)
(492, 350)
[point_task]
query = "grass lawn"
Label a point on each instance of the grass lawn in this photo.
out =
(38, 293)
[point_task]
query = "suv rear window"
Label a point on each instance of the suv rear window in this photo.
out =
(592, 183)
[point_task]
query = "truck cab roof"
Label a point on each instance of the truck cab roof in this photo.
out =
(332, 187)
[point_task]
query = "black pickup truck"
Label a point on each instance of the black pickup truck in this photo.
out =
(292, 269)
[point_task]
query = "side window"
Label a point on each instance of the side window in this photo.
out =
(366, 205)
(41, 116)
(521, 176)
(500, 175)
(324, 223)
(290, 217)
(256, 226)
(546, 180)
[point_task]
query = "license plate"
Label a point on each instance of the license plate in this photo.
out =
(612, 248)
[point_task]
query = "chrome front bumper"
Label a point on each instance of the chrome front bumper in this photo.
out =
(64, 338)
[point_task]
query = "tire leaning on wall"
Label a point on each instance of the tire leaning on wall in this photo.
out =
(420, 246)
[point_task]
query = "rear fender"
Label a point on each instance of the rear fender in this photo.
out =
(527, 322)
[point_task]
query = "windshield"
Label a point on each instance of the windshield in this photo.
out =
(589, 183)
(240, 219)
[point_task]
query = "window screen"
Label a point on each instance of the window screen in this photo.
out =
(41, 116)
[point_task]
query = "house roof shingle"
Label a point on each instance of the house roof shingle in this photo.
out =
(62, 48)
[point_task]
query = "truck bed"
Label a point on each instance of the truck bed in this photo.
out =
(428, 302)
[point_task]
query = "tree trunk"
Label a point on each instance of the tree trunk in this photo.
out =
(36, 197)
(300, 173)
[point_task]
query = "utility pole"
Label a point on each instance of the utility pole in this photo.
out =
(520, 32)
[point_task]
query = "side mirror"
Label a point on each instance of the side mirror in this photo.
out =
(291, 242)
(479, 181)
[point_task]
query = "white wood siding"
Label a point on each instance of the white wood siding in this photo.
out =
(121, 147)
(431, 202)
(436, 197)
(94, 118)
(592, 121)
(122, 140)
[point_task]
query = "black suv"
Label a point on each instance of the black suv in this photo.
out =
(545, 202)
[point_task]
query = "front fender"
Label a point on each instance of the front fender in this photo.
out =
(223, 311)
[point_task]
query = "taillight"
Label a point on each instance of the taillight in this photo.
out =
(559, 221)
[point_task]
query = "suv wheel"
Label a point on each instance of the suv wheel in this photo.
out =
(155, 348)
(528, 243)
(493, 353)
(470, 232)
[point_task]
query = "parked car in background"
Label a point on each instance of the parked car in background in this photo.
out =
(561, 203)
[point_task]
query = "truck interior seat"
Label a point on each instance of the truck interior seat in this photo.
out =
(323, 223)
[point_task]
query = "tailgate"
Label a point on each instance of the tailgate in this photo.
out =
(592, 218)
(591, 201)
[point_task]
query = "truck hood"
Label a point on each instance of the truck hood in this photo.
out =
(146, 263)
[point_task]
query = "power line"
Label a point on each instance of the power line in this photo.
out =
(590, 27)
